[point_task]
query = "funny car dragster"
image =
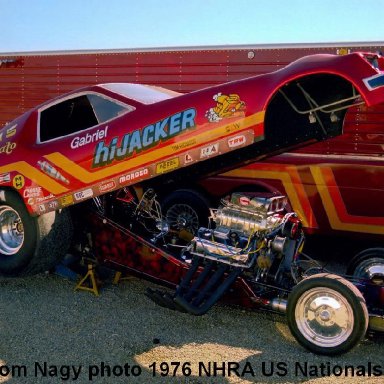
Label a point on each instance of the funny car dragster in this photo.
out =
(93, 144)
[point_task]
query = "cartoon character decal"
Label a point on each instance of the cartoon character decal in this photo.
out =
(226, 106)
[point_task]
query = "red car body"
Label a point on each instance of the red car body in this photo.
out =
(52, 170)
(353, 160)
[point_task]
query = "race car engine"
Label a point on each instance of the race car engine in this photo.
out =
(247, 232)
(249, 236)
(250, 233)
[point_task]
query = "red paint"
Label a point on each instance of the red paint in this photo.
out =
(30, 79)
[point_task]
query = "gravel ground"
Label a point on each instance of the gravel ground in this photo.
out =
(51, 334)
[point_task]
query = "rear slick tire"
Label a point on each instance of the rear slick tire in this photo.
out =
(368, 264)
(327, 314)
(29, 245)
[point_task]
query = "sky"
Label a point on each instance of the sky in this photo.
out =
(46, 25)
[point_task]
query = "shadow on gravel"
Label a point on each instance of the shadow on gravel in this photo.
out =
(51, 334)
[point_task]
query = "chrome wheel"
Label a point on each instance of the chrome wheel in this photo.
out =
(327, 314)
(11, 231)
(183, 216)
(324, 317)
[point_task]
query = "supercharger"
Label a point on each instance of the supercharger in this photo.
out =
(251, 233)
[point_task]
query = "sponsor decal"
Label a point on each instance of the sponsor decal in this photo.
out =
(107, 186)
(32, 192)
(374, 82)
(188, 158)
(232, 127)
(236, 141)
(45, 198)
(66, 200)
(34, 201)
(81, 195)
(120, 148)
(9, 132)
(8, 148)
(133, 176)
(167, 165)
(184, 144)
(5, 178)
(38, 200)
(18, 181)
(211, 150)
(53, 204)
(80, 141)
(343, 51)
(226, 106)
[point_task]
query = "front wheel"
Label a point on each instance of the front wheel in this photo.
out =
(29, 244)
(327, 314)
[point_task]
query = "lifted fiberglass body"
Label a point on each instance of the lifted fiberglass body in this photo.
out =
(95, 143)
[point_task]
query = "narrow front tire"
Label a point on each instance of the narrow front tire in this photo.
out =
(327, 314)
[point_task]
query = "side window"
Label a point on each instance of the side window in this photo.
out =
(106, 109)
(77, 114)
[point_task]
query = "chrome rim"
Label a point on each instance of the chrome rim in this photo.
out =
(11, 231)
(183, 216)
(324, 317)
(371, 269)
